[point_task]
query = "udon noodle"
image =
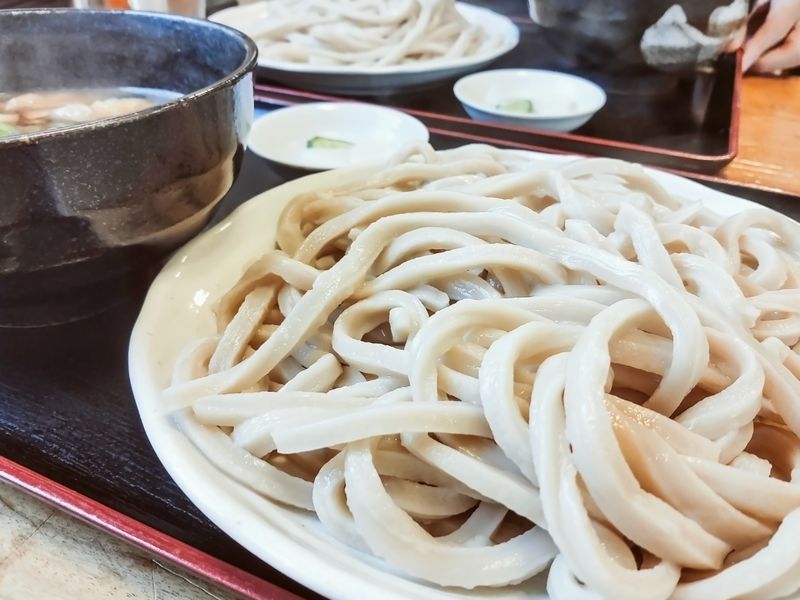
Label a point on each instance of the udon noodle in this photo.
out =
(364, 33)
(474, 365)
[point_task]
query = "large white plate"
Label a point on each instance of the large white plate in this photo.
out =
(178, 309)
(367, 81)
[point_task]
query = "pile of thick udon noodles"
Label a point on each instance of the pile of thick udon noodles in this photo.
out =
(476, 364)
(366, 33)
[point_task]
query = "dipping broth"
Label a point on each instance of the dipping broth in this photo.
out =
(31, 112)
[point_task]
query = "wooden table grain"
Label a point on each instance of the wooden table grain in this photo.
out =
(46, 554)
(769, 135)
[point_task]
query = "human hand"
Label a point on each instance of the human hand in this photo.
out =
(775, 45)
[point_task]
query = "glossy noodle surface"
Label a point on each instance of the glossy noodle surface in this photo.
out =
(477, 365)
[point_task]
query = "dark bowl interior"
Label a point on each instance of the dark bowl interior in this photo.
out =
(88, 208)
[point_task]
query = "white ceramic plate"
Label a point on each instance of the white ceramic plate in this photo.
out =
(367, 81)
(178, 309)
(375, 133)
(560, 101)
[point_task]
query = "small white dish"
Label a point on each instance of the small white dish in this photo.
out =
(329, 135)
(556, 101)
(373, 80)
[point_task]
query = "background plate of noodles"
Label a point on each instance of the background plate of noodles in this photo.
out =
(366, 47)
(485, 373)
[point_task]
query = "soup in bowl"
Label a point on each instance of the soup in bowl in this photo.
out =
(35, 111)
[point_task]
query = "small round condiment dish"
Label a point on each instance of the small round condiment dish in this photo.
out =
(328, 135)
(532, 98)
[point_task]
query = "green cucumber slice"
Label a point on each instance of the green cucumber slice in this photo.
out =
(323, 143)
(517, 106)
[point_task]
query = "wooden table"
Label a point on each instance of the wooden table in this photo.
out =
(45, 553)
(769, 135)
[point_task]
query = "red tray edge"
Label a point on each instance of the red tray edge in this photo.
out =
(700, 177)
(262, 95)
(140, 535)
(736, 106)
(596, 143)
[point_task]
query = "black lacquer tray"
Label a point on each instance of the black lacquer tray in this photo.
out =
(69, 430)
(686, 121)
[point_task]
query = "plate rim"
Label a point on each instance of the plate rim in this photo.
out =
(287, 548)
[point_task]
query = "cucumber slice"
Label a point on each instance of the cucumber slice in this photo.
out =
(6, 129)
(324, 143)
(517, 106)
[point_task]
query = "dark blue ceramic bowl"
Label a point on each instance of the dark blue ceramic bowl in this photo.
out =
(84, 209)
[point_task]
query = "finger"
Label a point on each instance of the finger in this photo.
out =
(777, 24)
(737, 40)
(785, 56)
